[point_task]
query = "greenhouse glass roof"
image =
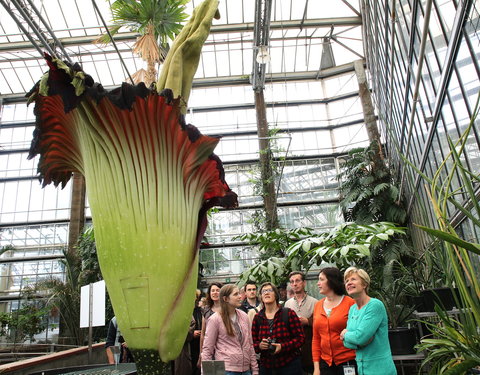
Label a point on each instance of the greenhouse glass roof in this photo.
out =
(303, 37)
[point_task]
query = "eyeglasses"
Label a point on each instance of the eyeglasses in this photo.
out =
(265, 291)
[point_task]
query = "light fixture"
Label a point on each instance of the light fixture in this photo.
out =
(263, 57)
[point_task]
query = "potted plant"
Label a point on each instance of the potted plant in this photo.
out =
(395, 292)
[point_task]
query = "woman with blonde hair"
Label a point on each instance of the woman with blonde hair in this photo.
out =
(228, 337)
(367, 327)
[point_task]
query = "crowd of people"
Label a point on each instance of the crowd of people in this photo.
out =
(285, 331)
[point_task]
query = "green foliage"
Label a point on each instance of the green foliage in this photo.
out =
(455, 345)
(274, 269)
(24, 323)
(394, 294)
(283, 251)
(81, 268)
(272, 248)
(166, 16)
(346, 244)
(64, 296)
(368, 192)
(87, 251)
(274, 243)
(91, 273)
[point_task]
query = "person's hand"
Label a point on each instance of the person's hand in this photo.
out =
(342, 334)
(124, 344)
(277, 346)
(316, 371)
(199, 362)
(303, 321)
(264, 344)
(197, 333)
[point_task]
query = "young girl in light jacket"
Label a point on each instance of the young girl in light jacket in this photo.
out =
(228, 336)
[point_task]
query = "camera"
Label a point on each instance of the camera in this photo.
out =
(271, 348)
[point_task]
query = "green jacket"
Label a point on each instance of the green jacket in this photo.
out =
(367, 333)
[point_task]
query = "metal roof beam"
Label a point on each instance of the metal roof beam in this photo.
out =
(235, 80)
(219, 29)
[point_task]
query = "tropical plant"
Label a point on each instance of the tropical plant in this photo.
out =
(395, 294)
(274, 243)
(157, 21)
(24, 322)
(273, 269)
(344, 245)
(150, 179)
(87, 252)
(91, 273)
(272, 250)
(64, 297)
(455, 345)
(368, 193)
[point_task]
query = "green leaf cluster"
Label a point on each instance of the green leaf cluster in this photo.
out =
(344, 245)
(166, 16)
(24, 323)
(274, 243)
(283, 251)
(368, 193)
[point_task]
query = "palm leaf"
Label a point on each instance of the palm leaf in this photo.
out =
(474, 248)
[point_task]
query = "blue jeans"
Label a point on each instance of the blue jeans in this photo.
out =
(238, 373)
(292, 368)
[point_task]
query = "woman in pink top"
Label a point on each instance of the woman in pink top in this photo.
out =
(228, 336)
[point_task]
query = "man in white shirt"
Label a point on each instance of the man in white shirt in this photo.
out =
(303, 305)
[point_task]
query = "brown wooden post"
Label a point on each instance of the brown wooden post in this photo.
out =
(368, 110)
(77, 211)
(268, 179)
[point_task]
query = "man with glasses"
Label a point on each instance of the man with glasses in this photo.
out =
(303, 305)
(251, 302)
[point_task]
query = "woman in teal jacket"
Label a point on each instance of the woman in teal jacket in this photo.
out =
(367, 327)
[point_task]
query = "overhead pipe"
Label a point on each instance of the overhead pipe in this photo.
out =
(24, 30)
(47, 26)
(113, 41)
(34, 27)
(418, 77)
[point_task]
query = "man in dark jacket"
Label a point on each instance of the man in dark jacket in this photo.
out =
(251, 302)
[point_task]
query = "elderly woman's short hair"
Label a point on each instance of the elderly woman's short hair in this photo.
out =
(362, 274)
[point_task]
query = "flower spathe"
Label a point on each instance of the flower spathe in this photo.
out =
(150, 180)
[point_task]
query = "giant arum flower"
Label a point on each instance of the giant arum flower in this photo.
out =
(150, 179)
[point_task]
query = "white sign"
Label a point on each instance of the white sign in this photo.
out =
(97, 307)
